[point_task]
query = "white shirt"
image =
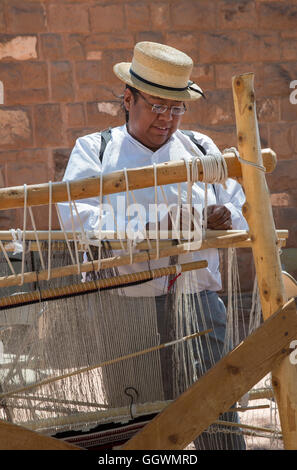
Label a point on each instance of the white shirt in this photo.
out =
(123, 151)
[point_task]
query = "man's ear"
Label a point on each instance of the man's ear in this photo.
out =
(128, 99)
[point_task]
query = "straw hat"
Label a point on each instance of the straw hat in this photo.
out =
(159, 70)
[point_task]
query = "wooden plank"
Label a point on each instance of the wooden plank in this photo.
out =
(14, 437)
(224, 384)
(167, 173)
(258, 212)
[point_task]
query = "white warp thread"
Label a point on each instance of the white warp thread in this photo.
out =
(246, 162)
(214, 171)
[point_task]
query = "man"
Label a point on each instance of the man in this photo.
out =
(158, 88)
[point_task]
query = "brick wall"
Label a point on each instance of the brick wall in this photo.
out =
(56, 80)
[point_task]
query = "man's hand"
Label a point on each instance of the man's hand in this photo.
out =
(218, 218)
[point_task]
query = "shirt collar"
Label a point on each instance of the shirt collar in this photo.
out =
(135, 141)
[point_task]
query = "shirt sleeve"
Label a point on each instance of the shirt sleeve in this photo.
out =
(83, 163)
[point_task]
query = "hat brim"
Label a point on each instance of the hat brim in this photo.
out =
(122, 71)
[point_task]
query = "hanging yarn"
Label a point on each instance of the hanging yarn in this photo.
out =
(214, 171)
(242, 160)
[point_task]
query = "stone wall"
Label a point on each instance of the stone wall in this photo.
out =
(56, 81)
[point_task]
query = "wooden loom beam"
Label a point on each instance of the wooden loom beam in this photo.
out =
(221, 239)
(215, 239)
(211, 237)
(167, 173)
(93, 286)
(14, 437)
(236, 373)
(258, 212)
(105, 263)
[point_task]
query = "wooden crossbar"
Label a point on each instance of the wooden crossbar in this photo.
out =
(230, 240)
(222, 239)
(93, 286)
(167, 173)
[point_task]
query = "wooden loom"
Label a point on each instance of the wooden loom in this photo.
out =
(178, 425)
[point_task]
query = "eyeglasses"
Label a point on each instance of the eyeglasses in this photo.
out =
(162, 108)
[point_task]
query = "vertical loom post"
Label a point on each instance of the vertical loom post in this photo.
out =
(258, 212)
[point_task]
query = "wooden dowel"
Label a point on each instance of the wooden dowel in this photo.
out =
(62, 401)
(258, 212)
(58, 235)
(211, 242)
(115, 261)
(250, 433)
(231, 239)
(247, 426)
(234, 242)
(261, 393)
(242, 409)
(167, 248)
(167, 173)
(92, 286)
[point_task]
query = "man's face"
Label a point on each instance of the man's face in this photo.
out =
(151, 129)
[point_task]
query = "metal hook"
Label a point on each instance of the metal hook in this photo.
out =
(131, 398)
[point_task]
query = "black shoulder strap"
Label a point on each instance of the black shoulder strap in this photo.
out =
(194, 140)
(105, 138)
